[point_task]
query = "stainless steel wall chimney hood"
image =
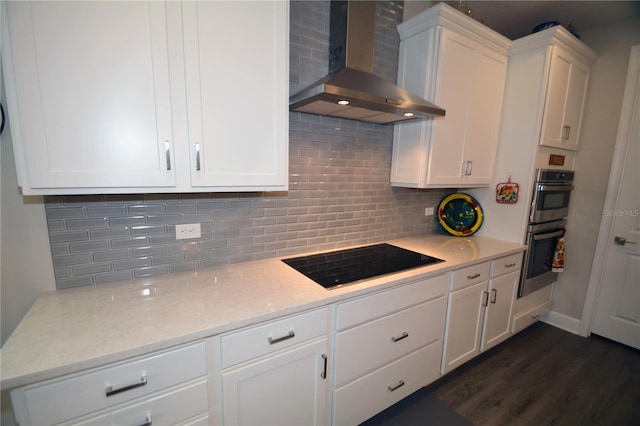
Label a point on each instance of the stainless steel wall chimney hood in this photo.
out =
(351, 90)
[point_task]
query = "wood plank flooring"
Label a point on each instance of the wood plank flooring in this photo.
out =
(546, 376)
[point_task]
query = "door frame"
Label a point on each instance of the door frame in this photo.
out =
(630, 104)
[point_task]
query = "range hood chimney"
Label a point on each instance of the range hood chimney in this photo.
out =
(351, 90)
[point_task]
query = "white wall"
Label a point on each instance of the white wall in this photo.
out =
(26, 268)
(593, 162)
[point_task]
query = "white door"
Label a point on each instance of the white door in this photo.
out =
(566, 92)
(617, 313)
(497, 323)
(483, 122)
(88, 92)
(465, 315)
(237, 93)
(455, 88)
(286, 389)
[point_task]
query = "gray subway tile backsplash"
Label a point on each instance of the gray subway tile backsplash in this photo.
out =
(339, 192)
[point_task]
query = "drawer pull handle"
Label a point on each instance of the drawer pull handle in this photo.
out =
(110, 391)
(399, 385)
(147, 421)
(404, 335)
(536, 316)
(273, 341)
(324, 372)
(494, 295)
(474, 276)
(510, 265)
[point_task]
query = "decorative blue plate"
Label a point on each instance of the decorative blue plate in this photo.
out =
(460, 214)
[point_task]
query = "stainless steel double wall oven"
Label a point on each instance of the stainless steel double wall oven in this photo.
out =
(547, 222)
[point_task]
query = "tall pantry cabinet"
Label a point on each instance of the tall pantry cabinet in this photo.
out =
(459, 64)
(547, 82)
(148, 96)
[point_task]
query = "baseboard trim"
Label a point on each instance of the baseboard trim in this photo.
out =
(563, 322)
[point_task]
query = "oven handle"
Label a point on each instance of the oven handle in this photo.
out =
(543, 187)
(546, 236)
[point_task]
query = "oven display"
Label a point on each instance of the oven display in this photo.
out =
(554, 200)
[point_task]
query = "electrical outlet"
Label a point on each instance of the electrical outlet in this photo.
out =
(189, 230)
(428, 211)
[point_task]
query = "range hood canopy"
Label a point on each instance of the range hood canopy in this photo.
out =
(351, 90)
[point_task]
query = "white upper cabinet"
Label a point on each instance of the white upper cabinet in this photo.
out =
(460, 65)
(88, 91)
(565, 96)
(112, 97)
(237, 93)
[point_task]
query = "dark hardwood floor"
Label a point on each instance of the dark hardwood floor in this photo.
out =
(546, 376)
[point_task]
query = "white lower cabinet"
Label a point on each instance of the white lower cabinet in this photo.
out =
(164, 388)
(384, 354)
(184, 405)
(282, 380)
(286, 389)
(479, 311)
(339, 364)
(373, 393)
(530, 308)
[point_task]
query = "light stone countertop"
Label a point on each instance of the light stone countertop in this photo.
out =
(67, 331)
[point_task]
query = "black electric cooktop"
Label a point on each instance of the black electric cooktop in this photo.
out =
(346, 266)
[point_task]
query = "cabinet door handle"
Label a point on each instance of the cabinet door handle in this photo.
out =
(474, 276)
(485, 295)
(290, 335)
(404, 335)
(110, 391)
(510, 265)
(197, 148)
(620, 241)
(167, 152)
(566, 131)
(494, 295)
(399, 385)
(147, 421)
(324, 371)
(469, 167)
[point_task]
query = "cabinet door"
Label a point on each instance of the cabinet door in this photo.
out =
(88, 93)
(454, 90)
(497, 323)
(485, 112)
(463, 329)
(236, 64)
(285, 389)
(566, 91)
(469, 84)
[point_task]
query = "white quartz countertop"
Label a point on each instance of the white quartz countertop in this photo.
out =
(67, 331)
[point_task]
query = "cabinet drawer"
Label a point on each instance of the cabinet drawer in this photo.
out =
(470, 275)
(82, 394)
(263, 339)
(373, 393)
(527, 318)
(369, 346)
(506, 264)
(179, 405)
(385, 302)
